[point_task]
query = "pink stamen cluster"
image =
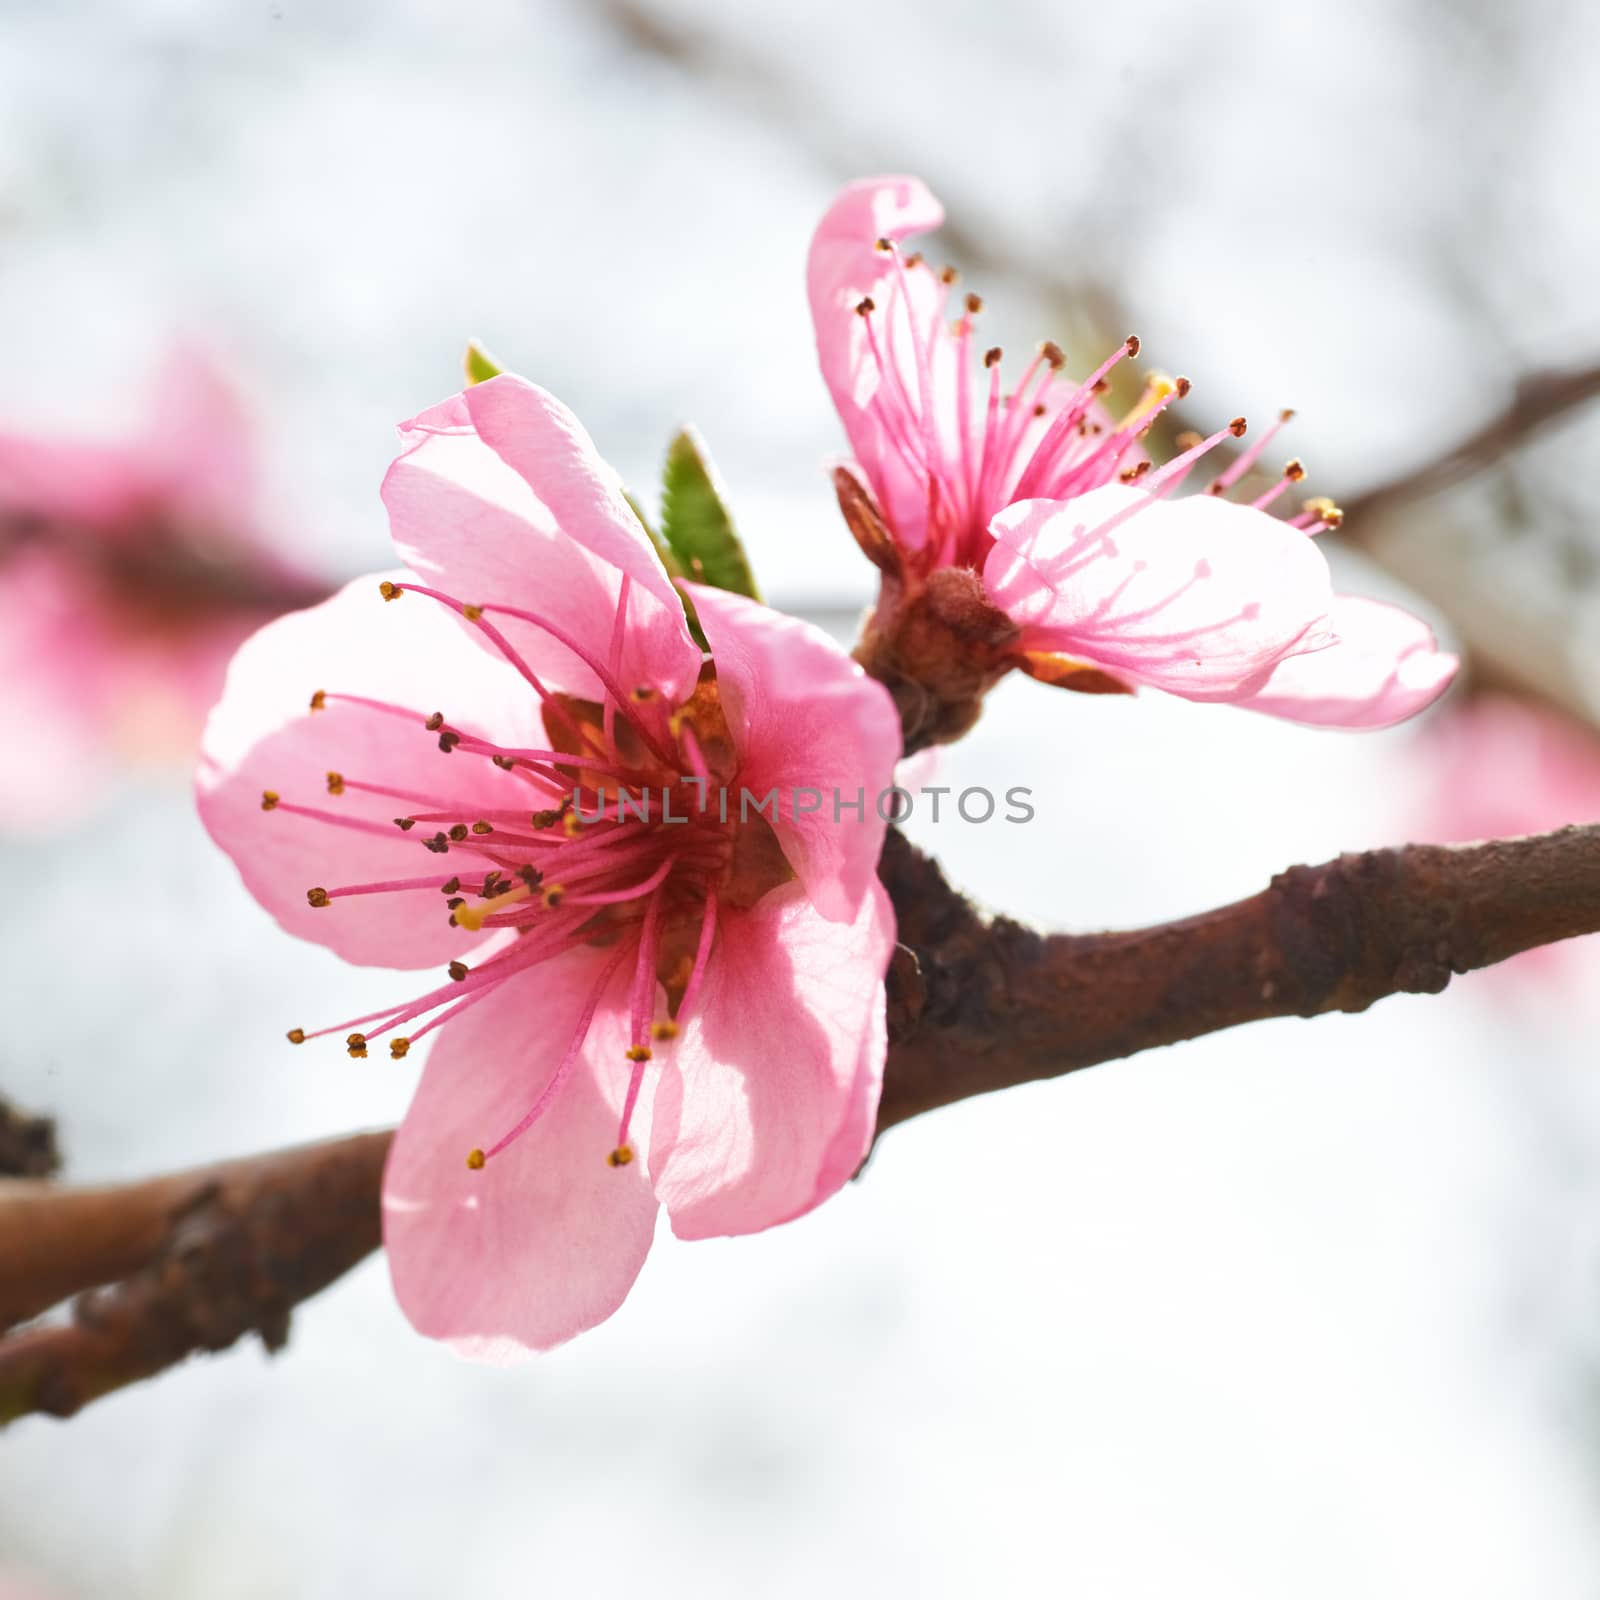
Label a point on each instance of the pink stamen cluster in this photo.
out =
(979, 450)
(563, 871)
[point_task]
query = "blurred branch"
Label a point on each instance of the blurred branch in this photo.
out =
(27, 1146)
(715, 62)
(975, 1005)
(1512, 639)
(1538, 400)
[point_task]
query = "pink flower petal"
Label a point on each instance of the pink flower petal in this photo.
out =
(261, 736)
(843, 268)
(199, 446)
(547, 1237)
(1385, 666)
(1497, 767)
(500, 497)
(804, 717)
(766, 1101)
(62, 697)
(1199, 597)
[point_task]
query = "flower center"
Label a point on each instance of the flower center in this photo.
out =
(628, 847)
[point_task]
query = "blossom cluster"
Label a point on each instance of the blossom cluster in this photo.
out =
(682, 1006)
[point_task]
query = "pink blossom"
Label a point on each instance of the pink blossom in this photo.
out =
(1077, 537)
(129, 573)
(687, 1011)
(1496, 767)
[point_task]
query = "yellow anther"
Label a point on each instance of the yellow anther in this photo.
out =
(317, 898)
(471, 917)
(1158, 387)
(638, 1052)
(398, 1047)
(664, 1030)
(475, 1159)
(621, 1156)
(1323, 509)
(269, 799)
(472, 613)
(356, 1044)
(390, 591)
(296, 1036)
(1294, 470)
(335, 783)
(553, 896)
(319, 700)
(572, 825)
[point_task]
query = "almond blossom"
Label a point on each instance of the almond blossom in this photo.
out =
(977, 495)
(143, 556)
(1495, 766)
(679, 1002)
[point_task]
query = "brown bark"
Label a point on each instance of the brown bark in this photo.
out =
(205, 1257)
(991, 1004)
(975, 1005)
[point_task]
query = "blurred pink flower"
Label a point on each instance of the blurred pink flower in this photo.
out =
(1497, 767)
(1054, 503)
(18, 1586)
(129, 572)
(708, 986)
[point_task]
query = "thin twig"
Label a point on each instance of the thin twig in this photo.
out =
(1538, 400)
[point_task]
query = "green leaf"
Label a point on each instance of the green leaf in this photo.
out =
(674, 569)
(695, 522)
(480, 365)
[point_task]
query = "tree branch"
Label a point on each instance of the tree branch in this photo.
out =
(1538, 400)
(975, 1005)
(27, 1146)
(992, 1004)
(206, 1257)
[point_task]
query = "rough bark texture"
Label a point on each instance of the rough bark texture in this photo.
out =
(974, 1005)
(209, 1256)
(990, 1004)
(27, 1144)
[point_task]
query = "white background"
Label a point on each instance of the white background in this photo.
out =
(1307, 1309)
